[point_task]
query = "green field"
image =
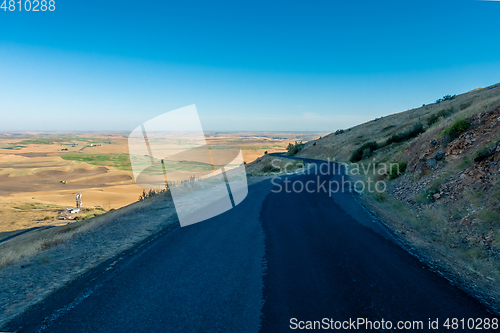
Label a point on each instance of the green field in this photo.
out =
(34, 142)
(120, 161)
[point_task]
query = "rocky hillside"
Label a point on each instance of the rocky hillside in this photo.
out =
(445, 199)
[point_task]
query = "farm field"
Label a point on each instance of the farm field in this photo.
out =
(41, 173)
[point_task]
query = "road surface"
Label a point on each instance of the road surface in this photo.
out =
(276, 256)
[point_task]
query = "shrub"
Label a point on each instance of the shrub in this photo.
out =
(367, 152)
(396, 170)
(428, 195)
(443, 113)
(486, 151)
(269, 169)
(432, 119)
(293, 149)
(151, 193)
(482, 151)
(380, 196)
(456, 129)
(465, 163)
(435, 185)
(489, 215)
(464, 106)
(406, 135)
(445, 98)
(359, 153)
(339, 131)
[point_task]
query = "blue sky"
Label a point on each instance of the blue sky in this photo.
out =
(248, 66)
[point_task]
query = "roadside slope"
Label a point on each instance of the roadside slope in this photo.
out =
(204, 277)
(54, 257)
(443, 183)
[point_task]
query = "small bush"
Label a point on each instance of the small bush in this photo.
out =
(428, 195)
(366, 149)
(485, 151)
(44, 259)
(489, 215)
(406, 135)
(443, 113)
(445, 98)
(152, 193)
(81, 218)
(396, 170)
(456, 129)
(435, 185)
(367, 153)
(380, 196)
(465, 163)
(432, 119)
(269, 169)
(482, 151)
(339, 131)
(293, 149)
(464, 106)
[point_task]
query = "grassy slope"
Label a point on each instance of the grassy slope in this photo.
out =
(341, 146)
(459, 232)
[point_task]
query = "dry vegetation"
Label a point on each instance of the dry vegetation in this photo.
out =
(273, 165)
(39, 262)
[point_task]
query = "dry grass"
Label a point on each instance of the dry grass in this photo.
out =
(31, 243)
(267, 165)
(428, 236)
(44, 260)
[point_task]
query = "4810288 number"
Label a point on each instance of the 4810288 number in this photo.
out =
(29, 5)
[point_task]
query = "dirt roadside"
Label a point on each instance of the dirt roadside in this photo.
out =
(30, 280)
(455, 270)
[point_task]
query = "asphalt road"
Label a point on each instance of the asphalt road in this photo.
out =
(276, 256)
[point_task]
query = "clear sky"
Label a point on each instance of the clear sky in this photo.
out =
(247, 65)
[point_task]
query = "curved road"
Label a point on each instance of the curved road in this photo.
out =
(274, 257)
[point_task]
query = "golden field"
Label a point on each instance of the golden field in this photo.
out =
(41, 173)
